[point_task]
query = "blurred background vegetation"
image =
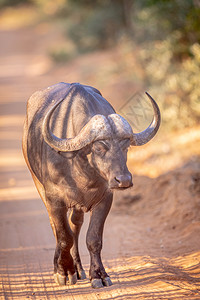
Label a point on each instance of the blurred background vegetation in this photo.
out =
(158, 42)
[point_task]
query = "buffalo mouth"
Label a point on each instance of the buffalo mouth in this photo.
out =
(121, 188)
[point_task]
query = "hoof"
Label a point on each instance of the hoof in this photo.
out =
(81, 274)
(60, 279)
(72, 278)
(96, 283)
(107, 281)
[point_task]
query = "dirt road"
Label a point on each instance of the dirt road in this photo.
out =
(145, 259)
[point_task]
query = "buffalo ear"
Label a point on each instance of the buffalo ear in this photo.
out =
(69, 154)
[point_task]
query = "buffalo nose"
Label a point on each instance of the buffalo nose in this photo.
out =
(124, 181)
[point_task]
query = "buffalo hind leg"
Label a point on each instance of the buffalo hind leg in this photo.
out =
(98, 275)
(64, 270)
(63, 263)
(75, 221)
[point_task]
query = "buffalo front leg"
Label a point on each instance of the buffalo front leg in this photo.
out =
(64, 269)
(76, 218)
(98, 275)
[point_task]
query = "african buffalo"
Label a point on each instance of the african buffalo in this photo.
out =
(75, 146)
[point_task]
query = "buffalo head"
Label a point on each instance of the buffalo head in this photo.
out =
(108, 138)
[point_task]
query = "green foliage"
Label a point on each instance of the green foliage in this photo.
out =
(176, 84)
(61, 55)
(161, 18)
(96, 30)
(97, 24)
(164, 35)
(167, 31)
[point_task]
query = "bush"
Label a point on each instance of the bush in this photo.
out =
(158, 19)
(61, 55)
(98, 30)
(176, 84)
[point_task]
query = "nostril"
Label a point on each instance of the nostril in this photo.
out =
(124, 180)
(118, 179)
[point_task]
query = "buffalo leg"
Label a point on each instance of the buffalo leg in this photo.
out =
(63, 262)
(98, 275)
(75, 221)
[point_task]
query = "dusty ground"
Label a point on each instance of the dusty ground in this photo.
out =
(151, 240)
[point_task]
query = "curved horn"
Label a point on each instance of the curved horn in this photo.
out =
(145, 136)
(97, 128)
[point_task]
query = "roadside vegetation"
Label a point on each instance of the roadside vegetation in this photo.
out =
(158, 42)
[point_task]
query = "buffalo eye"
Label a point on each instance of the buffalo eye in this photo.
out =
(100, 148)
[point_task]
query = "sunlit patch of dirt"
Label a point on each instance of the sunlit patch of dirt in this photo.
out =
(160, 278)
(166, 209)
(165, 152)
(137, 277)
